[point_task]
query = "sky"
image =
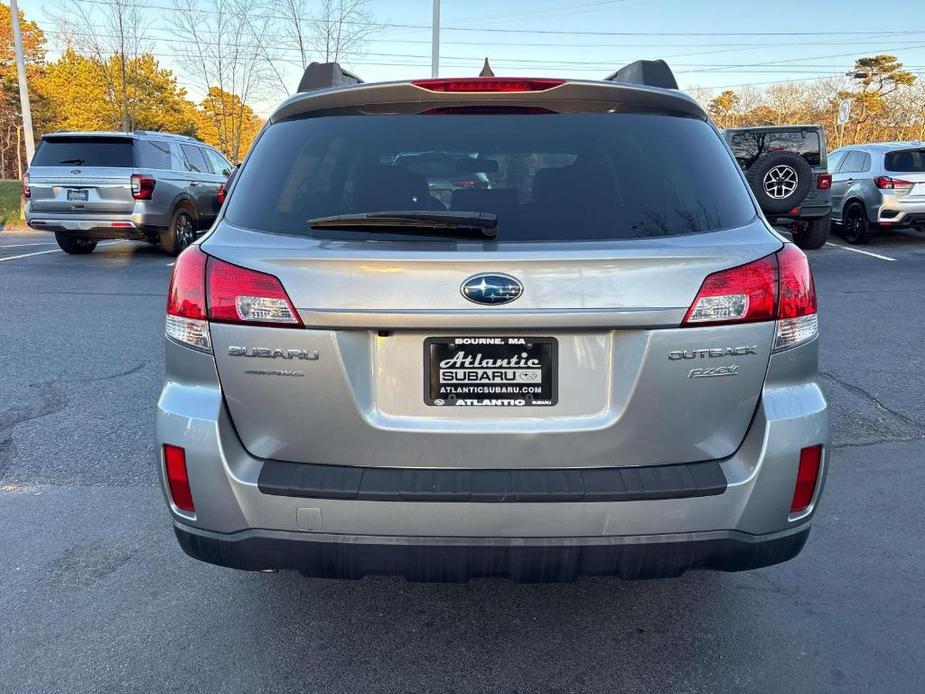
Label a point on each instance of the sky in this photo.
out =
(708, 43)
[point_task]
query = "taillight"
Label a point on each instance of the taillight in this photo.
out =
(796, 313)
(26, 190)
(488, 84)
(221, 194)
(777, 287)
(177, 478)
(204, 289)
(142, 187)
(741, 294)
(807, 478)
(186, 301)
(888, 183)
(239, 295)
(824, 181)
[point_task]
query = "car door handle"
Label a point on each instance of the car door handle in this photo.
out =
(194, 183)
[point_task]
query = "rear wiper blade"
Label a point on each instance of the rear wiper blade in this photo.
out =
(412, 222)
(72, 161)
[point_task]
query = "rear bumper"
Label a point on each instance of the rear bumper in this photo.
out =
(809, 212)
(460, 559)
(95, 227)
(900, 218)
(888, 210)
(326, 523)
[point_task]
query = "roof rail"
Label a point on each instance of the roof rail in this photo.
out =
(651, 73)
(162, 133)
(324, 75)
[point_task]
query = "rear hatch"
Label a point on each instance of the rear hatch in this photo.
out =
(554, 344)
(907, 169)
(82, 175)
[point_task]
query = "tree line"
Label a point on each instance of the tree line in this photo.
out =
(887, 103)
(108, 75)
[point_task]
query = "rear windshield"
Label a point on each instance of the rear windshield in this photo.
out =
(748, 145)
(905, 161)
(83, 151)
(547, 177)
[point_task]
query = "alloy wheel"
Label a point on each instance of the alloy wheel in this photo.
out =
(185, 232)
(780, 181)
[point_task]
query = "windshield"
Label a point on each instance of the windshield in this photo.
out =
(84, 151)
(547, 177)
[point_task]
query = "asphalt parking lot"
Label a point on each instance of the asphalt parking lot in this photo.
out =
(95, 594)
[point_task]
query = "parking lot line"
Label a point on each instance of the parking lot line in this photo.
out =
(23, 245)
(53, 250)
(26, 255)
(858, 250)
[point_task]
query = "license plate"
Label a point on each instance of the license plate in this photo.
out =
(77, 195)
(491, 371)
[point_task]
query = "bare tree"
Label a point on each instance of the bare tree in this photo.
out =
(295, 26)
(334, 32)
(784, 100)
(111, 34)
(225, 55)
(340, 28)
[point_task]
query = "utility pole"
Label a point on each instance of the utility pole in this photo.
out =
(435, 43)
(23, 87)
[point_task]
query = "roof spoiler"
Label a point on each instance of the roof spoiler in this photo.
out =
(325, 75)
(651, 73)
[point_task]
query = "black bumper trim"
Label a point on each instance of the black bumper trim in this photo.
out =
(459, 563)
(315, 481)
(808, 212)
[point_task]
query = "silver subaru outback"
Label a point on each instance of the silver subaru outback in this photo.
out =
(605, 362)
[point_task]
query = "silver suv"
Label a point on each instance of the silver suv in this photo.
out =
(878, 186)
(603, 363)
(147, 186)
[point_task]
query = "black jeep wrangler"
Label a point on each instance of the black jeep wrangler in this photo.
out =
(787, 169)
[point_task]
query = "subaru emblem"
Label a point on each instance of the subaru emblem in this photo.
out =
(75, 171)
(492, 288)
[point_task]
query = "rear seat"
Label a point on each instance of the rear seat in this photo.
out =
(386, 187)
(498, 201)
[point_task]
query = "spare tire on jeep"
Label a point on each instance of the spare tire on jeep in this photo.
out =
(780, 181)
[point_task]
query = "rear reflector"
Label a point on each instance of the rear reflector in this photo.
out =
(824, 181)
(177, 478)
(807, 478)
(777, 287)
(240, 295)
(488, 84)
(186, 301)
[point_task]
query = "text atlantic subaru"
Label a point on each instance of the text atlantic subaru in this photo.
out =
(604, 362)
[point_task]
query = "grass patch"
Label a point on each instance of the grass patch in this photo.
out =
(9, 201)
